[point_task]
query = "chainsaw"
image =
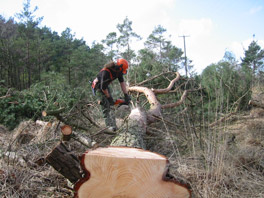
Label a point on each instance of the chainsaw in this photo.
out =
(120, 102)
(117, 103)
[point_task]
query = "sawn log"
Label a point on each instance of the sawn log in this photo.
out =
(63, 161)
(122, 172)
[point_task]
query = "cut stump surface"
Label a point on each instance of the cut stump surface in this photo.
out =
(122, 172)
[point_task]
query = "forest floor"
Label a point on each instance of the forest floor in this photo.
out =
(225, 161)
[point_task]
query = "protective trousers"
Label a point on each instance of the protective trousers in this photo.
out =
(108, 111)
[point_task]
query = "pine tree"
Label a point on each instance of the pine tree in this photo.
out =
(126, 37)
(111, 41)
(27, 29)
(253, 63)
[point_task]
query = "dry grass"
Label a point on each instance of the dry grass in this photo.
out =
(23, 172)
(229, 164)
(222, 162)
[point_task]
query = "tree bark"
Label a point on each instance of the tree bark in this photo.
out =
(131, 135)
(63, 161)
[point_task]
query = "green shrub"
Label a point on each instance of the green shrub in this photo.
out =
(50, 94)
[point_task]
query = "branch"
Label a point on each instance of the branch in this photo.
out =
(6, 96)
(221, 120)
(159, 91)
(152, 78)
(155, 106)
(67, 134)
(176, 103)
(66, 131)
(150, 95)
(90, 119)
(183, 97)
(55, 112)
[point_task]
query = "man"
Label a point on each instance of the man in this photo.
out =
(110, 72)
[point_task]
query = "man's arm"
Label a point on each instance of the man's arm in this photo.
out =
(123, 87)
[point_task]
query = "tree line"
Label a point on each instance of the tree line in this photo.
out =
(28, 50)
(31, 54)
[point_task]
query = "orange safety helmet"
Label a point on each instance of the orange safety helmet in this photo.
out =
(123, 64)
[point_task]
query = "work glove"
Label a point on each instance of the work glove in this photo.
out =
(111, 101)
(127, 99)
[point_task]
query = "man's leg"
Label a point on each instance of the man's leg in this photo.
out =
(108, 112)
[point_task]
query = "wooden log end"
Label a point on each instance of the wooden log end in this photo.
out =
(44, 113)
(127, 172)
(66, 130)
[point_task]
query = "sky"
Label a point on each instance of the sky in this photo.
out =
(211, 27)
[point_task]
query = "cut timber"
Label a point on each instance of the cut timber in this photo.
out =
(66, 131)
(122, 172)
(63, 161)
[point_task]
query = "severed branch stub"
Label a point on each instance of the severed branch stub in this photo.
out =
(122, 172)
(67, 134)
(66, 131)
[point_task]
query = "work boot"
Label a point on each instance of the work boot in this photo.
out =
(112, 129)
(111, 122)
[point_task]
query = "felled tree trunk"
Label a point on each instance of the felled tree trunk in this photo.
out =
(133, 131)
(63, 161)
(122, 172)
(132, 134)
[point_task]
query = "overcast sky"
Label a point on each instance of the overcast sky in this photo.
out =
(213, 26)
